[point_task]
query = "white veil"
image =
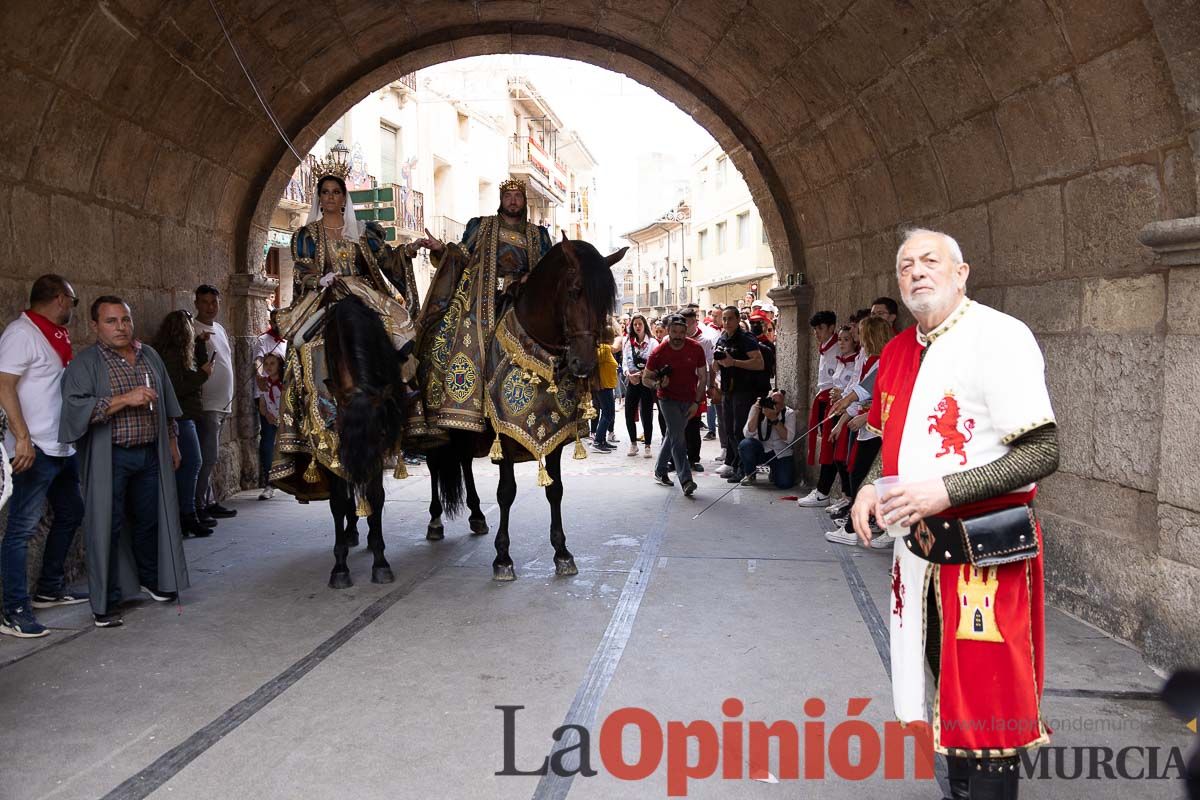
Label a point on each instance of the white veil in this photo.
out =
(351, 230)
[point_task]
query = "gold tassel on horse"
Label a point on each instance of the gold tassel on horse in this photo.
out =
(544, 478)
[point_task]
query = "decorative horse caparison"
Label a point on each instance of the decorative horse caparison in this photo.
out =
(364, 370)
(563, 308)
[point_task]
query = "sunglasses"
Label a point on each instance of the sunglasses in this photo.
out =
(74, 299)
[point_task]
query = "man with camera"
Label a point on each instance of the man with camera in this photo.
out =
(678, 370)
(768, 435)
(743, 380)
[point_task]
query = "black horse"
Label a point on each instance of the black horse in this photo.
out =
(364, 371)
(564, 306)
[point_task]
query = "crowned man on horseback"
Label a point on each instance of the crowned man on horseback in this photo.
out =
(334, 258)
(475, 282)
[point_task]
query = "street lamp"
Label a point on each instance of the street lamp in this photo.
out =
(340, 153)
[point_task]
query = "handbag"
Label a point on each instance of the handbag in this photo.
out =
(986, 540)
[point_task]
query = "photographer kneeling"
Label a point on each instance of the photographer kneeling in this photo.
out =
(769, 431)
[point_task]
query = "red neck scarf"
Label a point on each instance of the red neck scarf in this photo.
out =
(274, 335)
(825, 348)
(57, 335)
(850, 359)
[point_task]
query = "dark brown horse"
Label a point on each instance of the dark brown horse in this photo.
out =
(564, 307)
(364, 371)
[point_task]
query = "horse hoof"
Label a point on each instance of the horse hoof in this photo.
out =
(382, 575)
(433, 534)
(565, 566)
(353, 539)
(503, 572)
(479, 527)
(340, 580)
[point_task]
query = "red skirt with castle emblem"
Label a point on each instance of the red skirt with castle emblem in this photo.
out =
(992, 658)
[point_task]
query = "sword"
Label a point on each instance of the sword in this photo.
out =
(787, 450)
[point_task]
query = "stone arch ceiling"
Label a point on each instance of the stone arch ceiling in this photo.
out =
(1043, 133)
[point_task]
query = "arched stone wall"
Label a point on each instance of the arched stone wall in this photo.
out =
(1044, 134)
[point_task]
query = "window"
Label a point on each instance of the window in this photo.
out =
(722, 162)
(702, 244)
(721, 226)
(703, 178)
(743, 229)
(388, 154)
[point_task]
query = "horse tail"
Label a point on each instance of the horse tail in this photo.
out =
(450, 486)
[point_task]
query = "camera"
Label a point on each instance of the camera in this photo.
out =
(639, 362)
(766, 403)
(720, 352)
(664, 371)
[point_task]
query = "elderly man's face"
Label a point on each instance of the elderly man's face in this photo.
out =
(930, 280)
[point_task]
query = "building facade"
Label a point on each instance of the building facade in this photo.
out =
(731, 263)
(429, 151)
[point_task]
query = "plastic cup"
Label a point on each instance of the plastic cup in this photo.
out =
(882, 486)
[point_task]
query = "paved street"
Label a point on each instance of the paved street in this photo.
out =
(270, 685)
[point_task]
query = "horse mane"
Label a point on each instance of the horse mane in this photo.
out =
(599, 286)
(369, 423)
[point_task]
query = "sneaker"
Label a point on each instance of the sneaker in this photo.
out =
(841, 521)
(633, 450)
(689, 488)
(267, 493)
(111, 620)
(840, 536)
(710, 436)
(813, 499)
(43, 600)
(219, 511)
(161, 597)
(883, 541)
(646, 453)
(206, 519)
(697, 467)
(750, 479)
(601, 447)
(724, 471)
(664, 480)
(22, 624)
(839, 508)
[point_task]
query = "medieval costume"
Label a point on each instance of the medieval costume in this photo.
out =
(328, 268)
(474, 284)
(962, 403)
(87, 390)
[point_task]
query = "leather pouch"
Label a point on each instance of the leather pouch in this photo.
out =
(998, 537)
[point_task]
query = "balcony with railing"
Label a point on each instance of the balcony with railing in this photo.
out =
(297, 195)
(447, 229)
(527, 157)
(398, 209)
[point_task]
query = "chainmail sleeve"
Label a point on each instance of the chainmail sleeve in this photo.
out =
(1033, 456)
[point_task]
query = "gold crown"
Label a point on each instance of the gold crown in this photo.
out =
(512, 184)
(336, 163)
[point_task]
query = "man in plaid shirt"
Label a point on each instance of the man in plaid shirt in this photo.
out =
(119, 408)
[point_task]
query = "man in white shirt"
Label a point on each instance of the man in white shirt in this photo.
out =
(216, 399)
(34, 350)
(768, 434)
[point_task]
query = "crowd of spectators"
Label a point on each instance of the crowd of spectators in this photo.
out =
(122, 437)
(142, 424)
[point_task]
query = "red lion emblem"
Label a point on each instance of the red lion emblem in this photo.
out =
(945, 424)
